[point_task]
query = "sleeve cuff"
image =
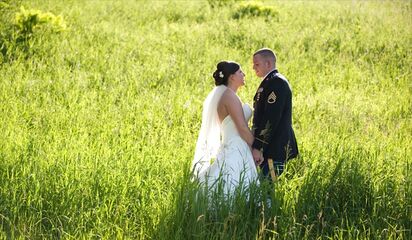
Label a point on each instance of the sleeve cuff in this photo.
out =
(258, 144)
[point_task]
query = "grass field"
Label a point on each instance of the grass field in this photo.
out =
(100, 110)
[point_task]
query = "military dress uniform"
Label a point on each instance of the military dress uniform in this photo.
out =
(272, 123)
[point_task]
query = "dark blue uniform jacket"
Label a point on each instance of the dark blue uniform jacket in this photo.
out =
(272, 119)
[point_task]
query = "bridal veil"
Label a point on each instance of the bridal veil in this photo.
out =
(208, 142)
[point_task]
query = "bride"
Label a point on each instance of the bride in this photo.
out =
(225, 137)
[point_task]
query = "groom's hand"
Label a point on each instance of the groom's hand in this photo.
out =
(257, 156)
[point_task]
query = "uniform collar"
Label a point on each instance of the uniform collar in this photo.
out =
(271, 71)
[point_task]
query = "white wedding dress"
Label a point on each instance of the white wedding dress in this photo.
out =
(233, 163)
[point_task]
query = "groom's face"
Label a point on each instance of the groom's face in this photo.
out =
(260, 65)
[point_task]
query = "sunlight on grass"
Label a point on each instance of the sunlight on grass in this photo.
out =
(99, 122)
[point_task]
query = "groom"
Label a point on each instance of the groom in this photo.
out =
(275, 141)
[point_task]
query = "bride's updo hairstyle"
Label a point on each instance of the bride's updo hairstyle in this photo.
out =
(223, 70)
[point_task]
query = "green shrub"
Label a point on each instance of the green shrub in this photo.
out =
(17, 35)
(254, 9)
(219, 3)
(28, 21)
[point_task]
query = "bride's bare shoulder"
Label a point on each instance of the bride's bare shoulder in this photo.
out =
(229, 96)
(228, 93)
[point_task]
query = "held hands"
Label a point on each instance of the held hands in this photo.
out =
(257, 156)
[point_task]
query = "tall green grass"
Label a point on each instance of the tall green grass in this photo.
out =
(99, 122)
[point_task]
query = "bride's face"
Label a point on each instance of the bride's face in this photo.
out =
(238, 77)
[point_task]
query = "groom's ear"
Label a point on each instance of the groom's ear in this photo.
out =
(267, 63)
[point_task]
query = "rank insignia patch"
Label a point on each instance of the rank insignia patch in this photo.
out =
(272, 98)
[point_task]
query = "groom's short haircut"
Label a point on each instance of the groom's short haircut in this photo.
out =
(266, 53)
